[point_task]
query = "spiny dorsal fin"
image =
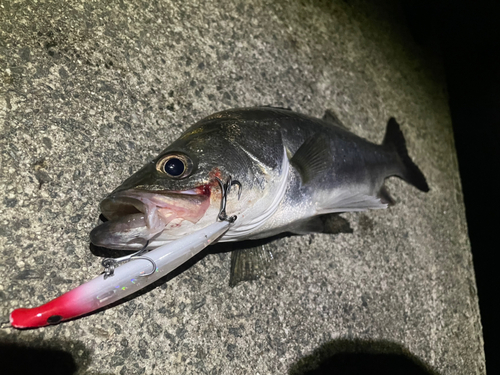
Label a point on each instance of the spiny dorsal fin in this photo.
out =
(274, 107)
(310, 225)
(312, 158)
(335, 224)
(332, 118)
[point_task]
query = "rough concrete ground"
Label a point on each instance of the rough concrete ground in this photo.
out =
(90, 91)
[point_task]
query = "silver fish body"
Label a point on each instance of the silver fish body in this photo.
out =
(291, 168)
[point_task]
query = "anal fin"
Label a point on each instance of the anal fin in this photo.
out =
(328, 223)
(335, 224)
(347, 201)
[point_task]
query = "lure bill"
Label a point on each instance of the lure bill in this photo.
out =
(126, 279)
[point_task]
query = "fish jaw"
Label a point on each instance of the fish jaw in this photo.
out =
(136, 216)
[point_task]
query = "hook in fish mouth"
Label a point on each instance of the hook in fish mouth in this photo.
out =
(136, 216)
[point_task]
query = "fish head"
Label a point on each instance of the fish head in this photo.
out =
(178, 192)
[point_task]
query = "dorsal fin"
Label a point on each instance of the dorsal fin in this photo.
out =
(272, 106)
(333, 119)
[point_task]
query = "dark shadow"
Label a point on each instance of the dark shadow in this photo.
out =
(225, 247)
(52, 357)
(332, 224)
(360, 357)
(467, 34)
(217, 248)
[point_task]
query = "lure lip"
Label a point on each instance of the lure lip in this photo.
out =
(24, 318)
(53, 312)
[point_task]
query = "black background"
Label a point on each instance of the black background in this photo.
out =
(465, 34)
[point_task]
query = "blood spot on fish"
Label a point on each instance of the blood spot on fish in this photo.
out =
(215, 173)
(203, 190)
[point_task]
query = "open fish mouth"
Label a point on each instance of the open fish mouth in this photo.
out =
(136, 216)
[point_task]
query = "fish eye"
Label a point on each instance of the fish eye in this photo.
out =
(175, 165)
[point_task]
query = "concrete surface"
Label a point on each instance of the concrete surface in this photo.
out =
(89, 91)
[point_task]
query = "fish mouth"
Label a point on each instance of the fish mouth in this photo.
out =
(136, 216)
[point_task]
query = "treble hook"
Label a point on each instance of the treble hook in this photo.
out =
(110, 264)
(225, 190)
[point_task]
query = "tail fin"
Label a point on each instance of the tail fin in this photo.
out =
(395, 140)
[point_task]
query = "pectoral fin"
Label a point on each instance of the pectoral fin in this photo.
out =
(312, 158)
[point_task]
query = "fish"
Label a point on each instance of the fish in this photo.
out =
(290, 168)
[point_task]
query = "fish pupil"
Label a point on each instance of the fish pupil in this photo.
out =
(174, 167)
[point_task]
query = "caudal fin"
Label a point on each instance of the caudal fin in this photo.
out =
(395, 140)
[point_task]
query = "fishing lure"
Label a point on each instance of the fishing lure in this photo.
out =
(119, 281)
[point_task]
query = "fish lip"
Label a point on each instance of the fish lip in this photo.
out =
(137, 200)
(136, 216)
(116, 206)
